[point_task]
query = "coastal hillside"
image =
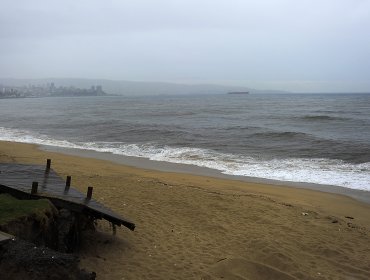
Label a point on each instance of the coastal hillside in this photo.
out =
(121, 87)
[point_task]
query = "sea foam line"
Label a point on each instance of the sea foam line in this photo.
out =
(319, 171)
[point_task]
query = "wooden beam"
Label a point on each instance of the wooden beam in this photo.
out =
(68, 183)
(89, 193)
(48, 164)
(34, 187)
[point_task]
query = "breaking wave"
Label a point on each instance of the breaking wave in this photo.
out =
(316, 170)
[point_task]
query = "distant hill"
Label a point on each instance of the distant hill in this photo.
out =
(135, 88)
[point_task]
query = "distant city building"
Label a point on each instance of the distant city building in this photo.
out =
(48, 90)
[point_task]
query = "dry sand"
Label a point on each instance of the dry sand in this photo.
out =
(194, 227)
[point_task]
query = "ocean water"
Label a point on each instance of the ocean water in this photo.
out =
(314, 138)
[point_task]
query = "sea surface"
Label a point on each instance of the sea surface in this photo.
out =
(313, 138)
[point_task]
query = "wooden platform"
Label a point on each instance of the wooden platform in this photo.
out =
(17, 179)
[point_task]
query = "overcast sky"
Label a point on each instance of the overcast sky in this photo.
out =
(296, 45)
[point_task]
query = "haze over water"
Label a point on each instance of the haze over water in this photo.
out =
(321, 139)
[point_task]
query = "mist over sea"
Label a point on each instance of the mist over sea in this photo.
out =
(314, 138)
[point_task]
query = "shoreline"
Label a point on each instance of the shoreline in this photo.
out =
(162, 166)
(299, 171)
(181, 172)
(199, 227)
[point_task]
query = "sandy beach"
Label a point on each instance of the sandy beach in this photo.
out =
(198, 227)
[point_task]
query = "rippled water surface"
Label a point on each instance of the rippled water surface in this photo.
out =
(305, 138)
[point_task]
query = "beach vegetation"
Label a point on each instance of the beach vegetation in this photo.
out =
(13, 209)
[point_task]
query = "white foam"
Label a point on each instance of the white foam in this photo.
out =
(24, 136)
(319, 171)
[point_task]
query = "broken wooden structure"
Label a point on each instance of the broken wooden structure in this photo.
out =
(25, 181)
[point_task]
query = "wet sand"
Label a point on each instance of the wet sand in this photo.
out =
(143, 163)
(199, 227)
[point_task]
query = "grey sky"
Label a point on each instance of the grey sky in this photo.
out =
(297, 45)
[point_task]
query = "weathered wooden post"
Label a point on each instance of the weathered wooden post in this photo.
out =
(68, 183)
(89, 193)
(48, 164)
(34, 187)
